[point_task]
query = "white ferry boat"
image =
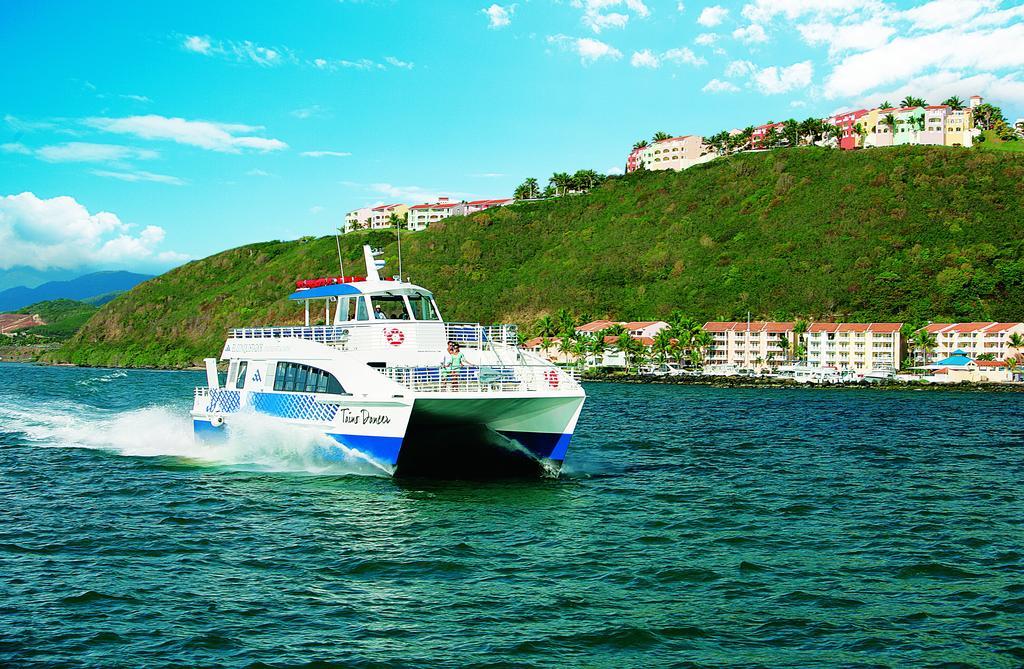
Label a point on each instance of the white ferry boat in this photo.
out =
(379, 378)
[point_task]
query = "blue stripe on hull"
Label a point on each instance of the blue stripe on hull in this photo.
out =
(545, 445)
(207, 431)
(382, 449)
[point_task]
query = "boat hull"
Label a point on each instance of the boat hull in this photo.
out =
(446, 436)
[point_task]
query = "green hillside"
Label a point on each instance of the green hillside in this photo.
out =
(63, 317)
(909, 233)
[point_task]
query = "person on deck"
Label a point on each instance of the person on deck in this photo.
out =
(378, 312)
(452, 364)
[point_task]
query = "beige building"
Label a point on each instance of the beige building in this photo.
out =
(960, 127)
(422, 215)
(358, 219)
(974, 339)
(859, 346)
(380, 217)
(677, 153)
(748, 345)
(467, 208)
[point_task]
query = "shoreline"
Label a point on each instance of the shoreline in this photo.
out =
(783, 384)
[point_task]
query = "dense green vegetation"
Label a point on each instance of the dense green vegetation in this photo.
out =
(993, 142)
(63, 317)
(907, 233)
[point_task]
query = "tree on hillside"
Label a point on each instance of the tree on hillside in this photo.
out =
(565, 323)
(810, 128)
(911, 101)
(658, 136)
(640, 145)
(785, 344)
(545, 326)
(629, 347)
(835, 133)
(953, 102)
(561, 182)
(771, 138)
(587, 179)
(701, 343)
(663, 344)
(528, 190)
(862, 133)
(791, 132)
(924, 344)
(986, 116)
(890, 120)
(1016, 342)
(885, 104)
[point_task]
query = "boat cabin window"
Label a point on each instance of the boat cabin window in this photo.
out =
(423, 307)
(293, 377)
(392, 306)
(240, 381)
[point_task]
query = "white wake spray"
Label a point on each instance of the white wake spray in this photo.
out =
(254, 442)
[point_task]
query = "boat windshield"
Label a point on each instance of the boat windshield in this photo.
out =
(423, 307)
(391, 307)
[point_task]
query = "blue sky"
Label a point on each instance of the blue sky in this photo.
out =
(140, 134)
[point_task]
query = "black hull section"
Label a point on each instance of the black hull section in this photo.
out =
(443, 448)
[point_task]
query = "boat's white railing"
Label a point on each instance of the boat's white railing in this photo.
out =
(325, 334)
(475, 335)
(485, 378)
(368, 335)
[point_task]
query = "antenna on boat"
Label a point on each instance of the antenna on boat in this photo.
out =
(341, 263)
(399, 250)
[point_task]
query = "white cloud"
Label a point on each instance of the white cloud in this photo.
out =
(706, 39)
(244, 51)
(903, 58)
(597, 18)
(86, 152)
(139, 175)
(60, 232)
(498, 16)
(752, 34)
(712, 16)
(309, 112)
(842, 38)
(316, 209)
(942, 13)
(740, 68)
(798, 104)
(222, 137)
(773, 80)
(320, 63)
(15, 147)
(20, 125)
(615, 169)
(764, 11)
(256, 172)
(400, 64)
(417, 194)
(683, 56)
(197, 44)
(680, 7)
(938, 86)
(644, 59)
(325, 154)
(589, 50)
(135, 98)
(719, 86)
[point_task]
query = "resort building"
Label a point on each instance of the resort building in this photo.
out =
(422, 215)
(860, 346)
(960, 127)
(760, 134)
(934, 132)
(909, 125)
(879, 132)
(748, 345)
(550, 349)
(676, 153)
(975, 339)
(958, 368)
(467, 208)
(358, 219)
(848, 122)
(380, 217)
(636, 329)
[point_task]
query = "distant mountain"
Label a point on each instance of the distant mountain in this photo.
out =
(84, 287)
(22, 275)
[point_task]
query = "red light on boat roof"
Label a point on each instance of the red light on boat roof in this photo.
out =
(303, 284)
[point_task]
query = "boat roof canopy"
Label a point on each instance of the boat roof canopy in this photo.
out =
(359, 288)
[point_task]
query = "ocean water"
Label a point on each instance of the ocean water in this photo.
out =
(692, 527)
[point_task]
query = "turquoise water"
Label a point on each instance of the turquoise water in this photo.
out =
(692, 527)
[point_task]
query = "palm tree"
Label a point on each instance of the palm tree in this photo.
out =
(784, 345)
(640, 145)
(791, 131)
(1011, 366)
(885, 104)
(658, 136)
(835, 132)
(911, 101)
(986, 356)
(890, 120)
(702, 341)
(771, 138)
(799, 330)
(561, 182)
(565, 323)
(546, 326)
(663, 344)
(861, 131)
(628, 346)
(953, 102)
(924, 342)
(1016, 343)
(579, 349)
